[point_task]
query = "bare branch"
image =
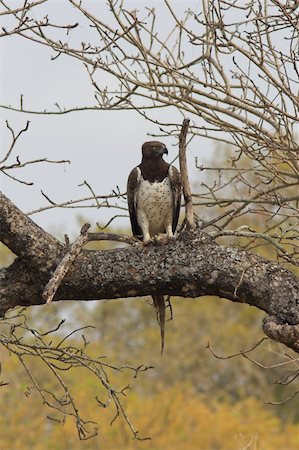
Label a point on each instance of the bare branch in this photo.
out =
(60, 358)
(184, 174)
(64, 265)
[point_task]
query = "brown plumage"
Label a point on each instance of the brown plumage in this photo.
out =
(154, 199)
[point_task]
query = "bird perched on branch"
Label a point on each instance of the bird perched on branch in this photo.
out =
(154, 199)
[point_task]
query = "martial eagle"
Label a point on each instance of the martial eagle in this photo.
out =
(154, 199)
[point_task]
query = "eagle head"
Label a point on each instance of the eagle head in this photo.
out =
(153, 150)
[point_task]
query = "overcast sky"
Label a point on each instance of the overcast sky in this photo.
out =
(102, 146)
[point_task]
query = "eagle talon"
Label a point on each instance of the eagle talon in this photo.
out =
(148, 241)
(137, 244)
(162, 239)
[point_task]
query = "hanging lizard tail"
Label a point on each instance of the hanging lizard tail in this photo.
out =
(159, 303)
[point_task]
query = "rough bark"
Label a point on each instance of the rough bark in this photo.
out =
(192, 265)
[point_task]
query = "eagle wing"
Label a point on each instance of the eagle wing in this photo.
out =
(176, 186)
(132, 189)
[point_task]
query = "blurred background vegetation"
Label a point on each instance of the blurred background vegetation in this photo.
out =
(189, 399)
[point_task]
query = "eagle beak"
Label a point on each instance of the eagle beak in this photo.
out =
(165, 151)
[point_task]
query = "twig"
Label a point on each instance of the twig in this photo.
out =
(283, 401)
(243, 353)
(92, 191)
(111, 237)
(64, 265)
(14, 139)
(184, 174)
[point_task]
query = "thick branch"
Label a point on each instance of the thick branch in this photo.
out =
(27, 240)
(285, 333)
(192, 265)
(18, 286)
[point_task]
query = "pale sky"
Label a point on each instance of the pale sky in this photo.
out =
(103, 146)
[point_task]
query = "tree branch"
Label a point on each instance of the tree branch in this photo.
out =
(184, 174)
(192, 265)
(37, 249)
(64, 265)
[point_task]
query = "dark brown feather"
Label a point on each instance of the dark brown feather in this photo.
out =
(154, 169)
(132, 187)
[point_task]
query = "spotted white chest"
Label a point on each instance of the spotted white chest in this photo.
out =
(154, 206)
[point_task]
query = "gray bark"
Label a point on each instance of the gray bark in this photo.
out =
(192, 265)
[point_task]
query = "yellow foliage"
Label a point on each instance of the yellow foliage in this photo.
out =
(176, 417)
(189, 401)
